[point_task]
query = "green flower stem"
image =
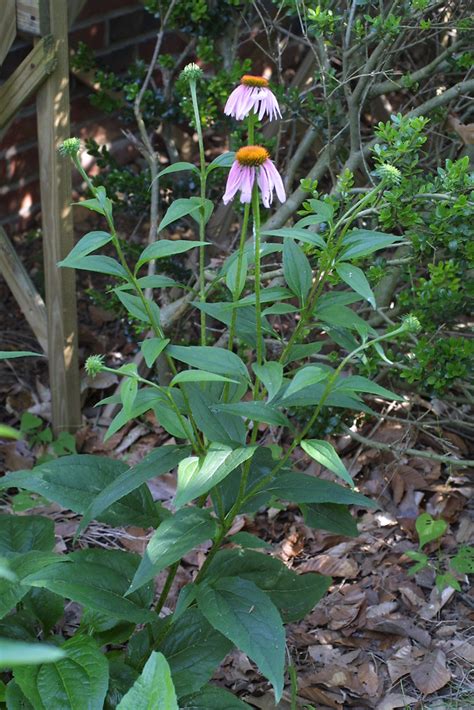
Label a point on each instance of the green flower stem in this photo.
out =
(202, 209)
(156, 327)
(236, 296)
(167, 586)
(258, 306)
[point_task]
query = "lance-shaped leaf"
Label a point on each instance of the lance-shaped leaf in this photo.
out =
(324, 453)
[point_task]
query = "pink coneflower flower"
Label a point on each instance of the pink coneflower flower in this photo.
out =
(253, 161)
(253, 93)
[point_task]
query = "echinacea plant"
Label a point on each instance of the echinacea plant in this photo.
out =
(228, 401)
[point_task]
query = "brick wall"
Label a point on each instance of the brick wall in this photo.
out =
(119, 33)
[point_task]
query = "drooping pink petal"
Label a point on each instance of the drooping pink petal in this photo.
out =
(266, 188)
(234, 180)
(275, 177)
(233, 100)
(247, 184)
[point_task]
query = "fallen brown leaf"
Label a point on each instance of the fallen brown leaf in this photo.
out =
(331, 566)
(432, 674)
(396, 700)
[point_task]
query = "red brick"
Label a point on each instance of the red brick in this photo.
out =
(106, 6)
(118, 60)
(81, 108)
(22, 199)
(94, 36)
(131, 24)
(22, 130)
(17, 165)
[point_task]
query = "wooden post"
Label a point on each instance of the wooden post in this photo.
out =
(55, 178)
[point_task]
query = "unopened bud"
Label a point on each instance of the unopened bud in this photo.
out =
(191, 72)
(94, 365)
(389, 172)
(71, 147)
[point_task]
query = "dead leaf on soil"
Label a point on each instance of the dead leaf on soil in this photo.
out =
(331, 566)
(402, 661)
(432, 674)
(396, 700)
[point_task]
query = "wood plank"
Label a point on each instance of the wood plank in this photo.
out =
(8, 32)
(25, 80)
(32, 17)
(74, 9)
(21, 286)
(55, 178)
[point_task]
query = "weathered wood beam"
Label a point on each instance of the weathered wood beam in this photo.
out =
(74, 9)
(32, 17)
(8, 32)
(21, 286)
(27, 78)
(55, 179)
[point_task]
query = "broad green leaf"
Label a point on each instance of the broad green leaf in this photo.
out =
(257, 411)
(300, 352)
(128, 392)
(152, 348)
(154, 464)
(336, 316)
(302, 488)
(321, 208)
(166, 247)
(121, 678)
(302, 235)
(362, 242)
(177, 210)
(294, 595)
(429, 529)
(267, 295)
(218, 427)
(247, 540)
(136, 307)
(463, 561)
(421, 561)
(196, 477)
(271, 375)
(173, 539)
(153, 689)
(279, 309)
(246, 616)
(236, 286)
(356, 279)
(193, 649)
(10, 355)
(212, 697)
(307, 376)
(199, 376)
(89, 243)
(297, 270)
(22, 533)
(73, 481)
(245, 321)
(100, 264)
(15, 698)
(8, 432)
(177, 168)
(6, 572)
(358, 383)
(21, 566)
(20, 653)
(210, 359)
(324, 453)
(46, 606)
(224, 160)
(94, 205)
(73, 683)
(208, 209)
(95, 585)
(330, 516)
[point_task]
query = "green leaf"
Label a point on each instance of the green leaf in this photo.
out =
(210, 359)
(177, 168)
(420, 558)
(307, 376)
(10, 355)
(235, 287)
(356, 279)
(166, 247)
(218, 427)
(302, 488)
(136, 307)
(302, 235)
(194, 649)
(362, 242)
(463, 561)
(95, 584)
(224, 160)
(429, 529)
(73, 481)
(213, 698)
(173, 539)
(322, 209)
(6, 573)
(246, 616)
(343, 316)
(20, 653)
(199, 376)
(294, 595)
(330, 516)
(88, 244)
(22, 533)
(46, 606)
(196, 477)
(300, 352)
(177, 210)
(208, 209)
(257, 411)
(324, 453)
(279, 309)
(153, 689)
(247, 540)
(357, 383)
(8, 432)
(271, 375)
(80, 680)
(154, 464)
(297, 270)
(100, 264)
(445, 580)
(96, 205)
(152, 348)
(13, 591)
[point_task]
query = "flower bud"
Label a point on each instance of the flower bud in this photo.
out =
(94, 365)
(191, 72)
(411, 324)
(71, 147)
(390, 173)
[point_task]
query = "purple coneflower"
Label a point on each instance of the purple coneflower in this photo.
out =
(253, 161)
(253, 93)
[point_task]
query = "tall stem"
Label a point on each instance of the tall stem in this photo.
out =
(202, 209)
(258, 306)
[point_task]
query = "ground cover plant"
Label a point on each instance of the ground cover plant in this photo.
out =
(288, 343)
